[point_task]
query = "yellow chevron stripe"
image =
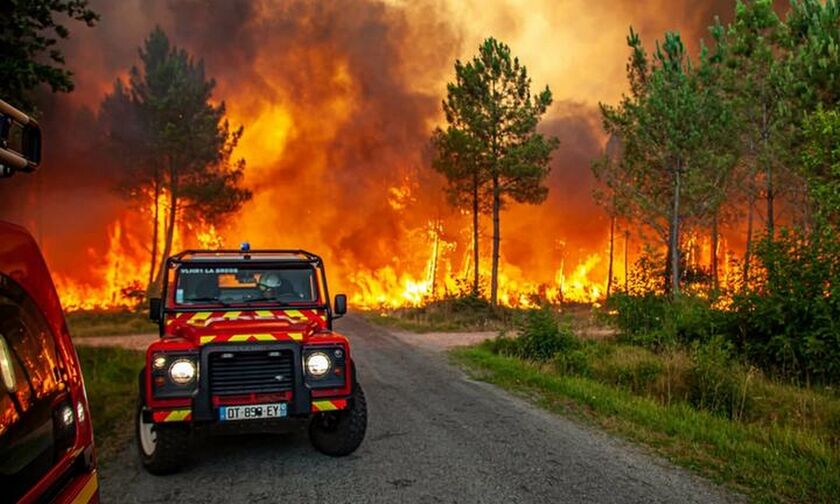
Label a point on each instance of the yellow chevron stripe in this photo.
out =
(200, 317)
(252, 337)
(232, 314)
(297, 336)
(177, 415)
(86, 493)
(295, 313)
(324, 405)
(264, 314)
(206, 339)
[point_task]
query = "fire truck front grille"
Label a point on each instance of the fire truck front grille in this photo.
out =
(251, 372)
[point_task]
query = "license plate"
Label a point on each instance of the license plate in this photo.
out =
(252, 412)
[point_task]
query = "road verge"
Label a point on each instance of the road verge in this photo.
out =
(111, 383)
(767, 463)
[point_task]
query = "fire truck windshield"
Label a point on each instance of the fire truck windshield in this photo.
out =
(200, 284)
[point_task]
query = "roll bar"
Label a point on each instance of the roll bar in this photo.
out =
(26, 156)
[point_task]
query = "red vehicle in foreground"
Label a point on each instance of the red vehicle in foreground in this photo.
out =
(46, 438)
(247, 340)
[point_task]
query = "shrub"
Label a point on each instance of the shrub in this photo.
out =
(716, 382)
(692, 318)
(637, 315)
(543, 336)
(657, 321)
(574, 362)
(634, 368)
(790, 323)
(786, 320)
(504, 345)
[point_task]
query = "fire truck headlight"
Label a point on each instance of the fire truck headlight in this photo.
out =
(182, 371)
(317, 364)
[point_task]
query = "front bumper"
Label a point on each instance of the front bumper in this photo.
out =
(185, 414)
(204, 409)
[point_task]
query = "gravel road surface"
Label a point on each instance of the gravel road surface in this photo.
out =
(433, 436)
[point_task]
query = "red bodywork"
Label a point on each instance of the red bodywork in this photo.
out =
(73, 476)
(250, 325)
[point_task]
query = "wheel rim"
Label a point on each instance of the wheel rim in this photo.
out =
(148, 437)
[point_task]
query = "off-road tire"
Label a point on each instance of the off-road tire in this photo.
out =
(171, 447)
(339, 433)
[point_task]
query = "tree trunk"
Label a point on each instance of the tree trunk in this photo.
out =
(666, 279)
(168, 237)
(768, 170)
(169, 231)
(748, 247)
(497, 204)
(475, 235)
(497, 199)
(626, 261)
(435, 252)
(612, 248)
(674, 238)
(714, 253)
(771, 221)
(155, 224)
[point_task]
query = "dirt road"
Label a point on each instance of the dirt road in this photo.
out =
(434, 436)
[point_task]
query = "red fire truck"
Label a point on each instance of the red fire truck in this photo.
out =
(46, 439)
(247, 339)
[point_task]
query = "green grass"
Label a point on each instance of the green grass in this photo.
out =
(769, 463)
(447, 315)
(410, 323)
(670, 376)
(111, 383)
(108, 323)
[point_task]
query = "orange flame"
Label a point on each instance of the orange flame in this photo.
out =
(106, 287)
(125, 271)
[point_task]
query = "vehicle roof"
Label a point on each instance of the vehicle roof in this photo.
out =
(288, 256)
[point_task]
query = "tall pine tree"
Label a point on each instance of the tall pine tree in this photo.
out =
(173, 143)
(492, 125)
(675, 132)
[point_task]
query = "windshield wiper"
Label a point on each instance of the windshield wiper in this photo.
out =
(208, 300)
(271, 299)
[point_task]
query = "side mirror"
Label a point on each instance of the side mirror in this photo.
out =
(20, 141)
(340, 306)
(155, 305)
